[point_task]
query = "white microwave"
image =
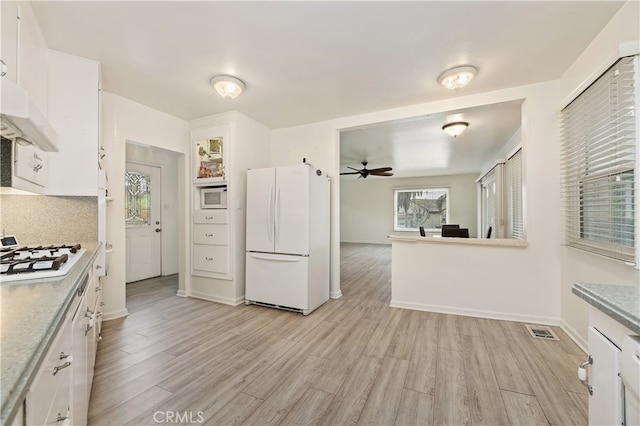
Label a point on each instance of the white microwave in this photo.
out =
(213, 198)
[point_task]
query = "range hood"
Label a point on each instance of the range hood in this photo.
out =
(21, 119)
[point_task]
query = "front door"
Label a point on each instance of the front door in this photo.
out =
(142, 220)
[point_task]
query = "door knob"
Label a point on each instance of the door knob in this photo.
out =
(157, 222)
(158, 229)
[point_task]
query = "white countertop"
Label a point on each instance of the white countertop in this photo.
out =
(496, 242)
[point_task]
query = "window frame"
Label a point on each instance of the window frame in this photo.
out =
(578, 170)
(446, 189)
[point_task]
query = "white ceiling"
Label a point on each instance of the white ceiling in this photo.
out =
(305, 62)
(419, 146)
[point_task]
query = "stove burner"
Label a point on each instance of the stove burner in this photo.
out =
(34, 259)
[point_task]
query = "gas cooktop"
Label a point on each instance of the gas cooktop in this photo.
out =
(28, 263)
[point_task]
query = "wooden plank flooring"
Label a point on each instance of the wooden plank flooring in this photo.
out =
(354, 361)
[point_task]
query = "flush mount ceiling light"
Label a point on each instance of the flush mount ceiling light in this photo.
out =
(458, 77)
(456, 128)
(228, 87)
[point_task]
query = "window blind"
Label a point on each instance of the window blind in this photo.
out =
(491, 215)
(513, 178)
(598, 150)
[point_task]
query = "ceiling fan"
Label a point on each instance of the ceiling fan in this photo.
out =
(364, 172)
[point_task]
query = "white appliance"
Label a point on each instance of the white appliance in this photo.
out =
(287, 259)
(213, 197)
(21, 119)
(30, 263)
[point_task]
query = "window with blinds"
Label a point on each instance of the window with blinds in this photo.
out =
(514, 195)
(599, 164)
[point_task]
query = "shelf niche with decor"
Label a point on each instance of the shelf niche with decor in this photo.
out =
(209, 161)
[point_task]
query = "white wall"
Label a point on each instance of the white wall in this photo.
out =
(320, 143)
(366, 205)
(126, 121)
(168, 162)
(578, 266)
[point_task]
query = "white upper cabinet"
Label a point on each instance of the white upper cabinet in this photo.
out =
(74, 114)
(24, 51)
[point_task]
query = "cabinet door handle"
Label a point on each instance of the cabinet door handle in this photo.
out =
(582, 374)
(64, 356)
(208, 235)
(208, 258)
(63, 366)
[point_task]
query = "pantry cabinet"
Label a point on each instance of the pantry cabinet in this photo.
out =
(222, 148)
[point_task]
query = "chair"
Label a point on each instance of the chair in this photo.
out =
(455, 231)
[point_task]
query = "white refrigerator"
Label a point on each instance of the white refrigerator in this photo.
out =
(287, 259)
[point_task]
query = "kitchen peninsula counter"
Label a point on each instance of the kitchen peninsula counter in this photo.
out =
(32, 312)
(502, 242)
(487, 278)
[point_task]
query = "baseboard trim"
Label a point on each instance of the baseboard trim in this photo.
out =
(115, 315)
(506, 316)
(211, 298)
(336, 294)
(181, 293)
(573, 335)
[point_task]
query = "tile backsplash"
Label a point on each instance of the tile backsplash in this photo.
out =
(39, 219)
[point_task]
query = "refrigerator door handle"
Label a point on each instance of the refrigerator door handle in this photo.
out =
(277, 257)
(277, 215)
(270, 215)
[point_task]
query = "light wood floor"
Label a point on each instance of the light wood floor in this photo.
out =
(353, 361)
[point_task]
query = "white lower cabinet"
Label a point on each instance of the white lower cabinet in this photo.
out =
(605, 401)
(210, 258)
(49, 398)
(79, 347)
(60, 392)
(211, 250)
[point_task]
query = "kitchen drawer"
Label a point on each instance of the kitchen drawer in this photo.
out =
(211, 258)
(210, 216)
(211, 234)
(50, 392)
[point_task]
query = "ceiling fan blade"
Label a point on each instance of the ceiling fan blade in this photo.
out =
(351, 173)
(382, 174)
(349, 167)
(381, 169)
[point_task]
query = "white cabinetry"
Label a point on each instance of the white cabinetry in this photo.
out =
(605, 402)
(74, 114)
(49, 398)
(79, 348)
(606, 397)
(231, 143)
(211, 243)
(23, 50)
(31, 164)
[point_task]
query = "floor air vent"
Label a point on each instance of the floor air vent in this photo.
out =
(541, 332)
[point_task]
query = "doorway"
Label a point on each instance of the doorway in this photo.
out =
(143, 221)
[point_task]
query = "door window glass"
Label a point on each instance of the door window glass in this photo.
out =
(138, 198)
